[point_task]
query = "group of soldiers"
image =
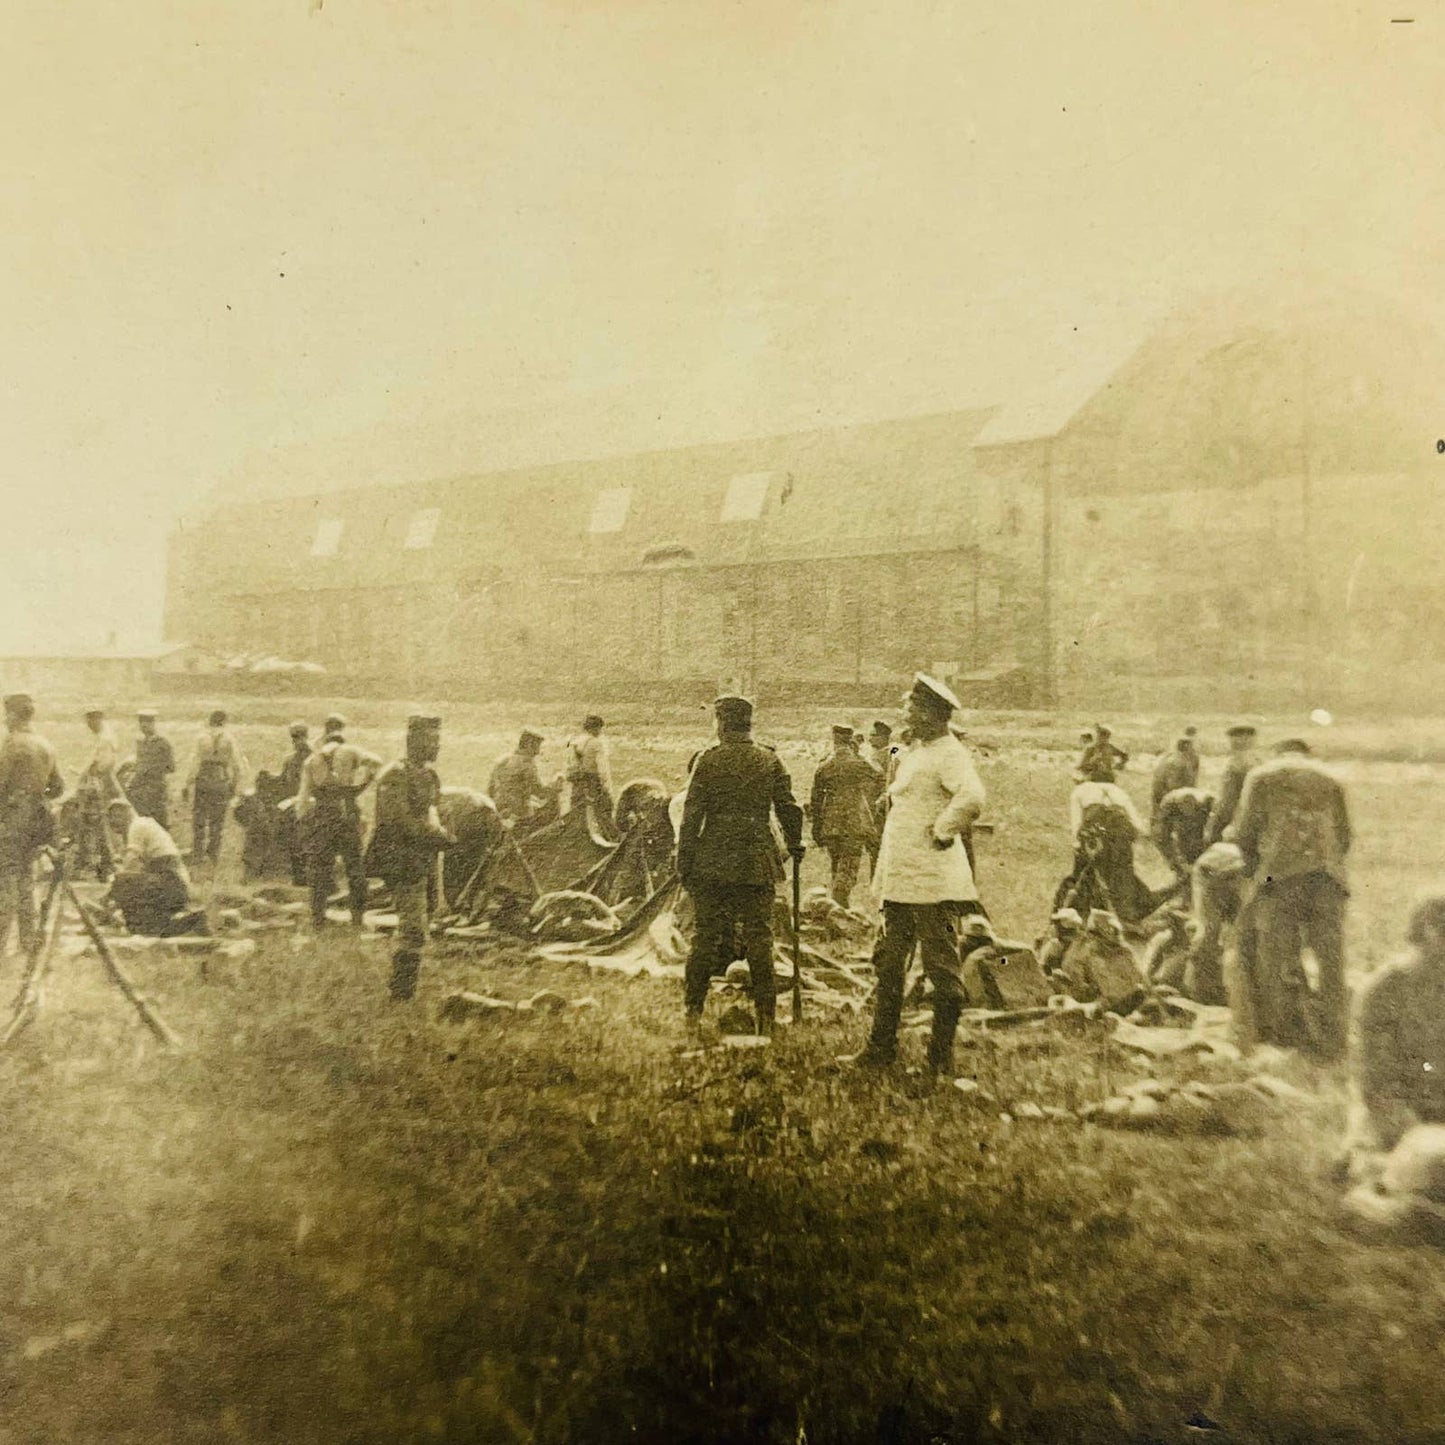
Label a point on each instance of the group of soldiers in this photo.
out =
(1263, 859)
(1263, 856)
(911, 815)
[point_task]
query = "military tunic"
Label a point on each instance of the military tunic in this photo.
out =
(727, 860)
(403, 852)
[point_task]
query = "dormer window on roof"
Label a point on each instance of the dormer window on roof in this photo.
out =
(327, 538)
(422, 531)
(746, 495)
(609, 512)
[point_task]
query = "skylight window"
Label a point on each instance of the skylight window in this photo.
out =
(327, 538)
(423, 529)
(745, 497)
(609, 512)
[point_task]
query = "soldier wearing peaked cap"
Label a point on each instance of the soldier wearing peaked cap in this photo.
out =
(1242, 757)
(726, 857)
(845, 791)
(405, 843)
(924, 881)
(155, 761)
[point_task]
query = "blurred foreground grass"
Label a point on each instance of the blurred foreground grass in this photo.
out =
(333, 1219)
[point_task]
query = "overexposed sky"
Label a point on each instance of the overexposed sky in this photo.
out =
(235, 225)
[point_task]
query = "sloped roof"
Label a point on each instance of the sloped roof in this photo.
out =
(884, 487)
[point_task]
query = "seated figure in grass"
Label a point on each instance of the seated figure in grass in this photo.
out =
(1395, 1139)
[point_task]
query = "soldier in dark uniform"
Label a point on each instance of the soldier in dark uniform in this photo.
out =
(845, 791)
(726, 857)
(155, 761)
(405, 843)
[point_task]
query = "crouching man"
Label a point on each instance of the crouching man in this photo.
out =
(151, 888)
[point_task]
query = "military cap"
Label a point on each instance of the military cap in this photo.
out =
(421, 722)
(1242, 730)
(530, 736)
(218, 717)
(1292, 745)
(298, 729)
(147, 714)
(93, 711)
(335, 723)
(843, 732)
(933, 693)
(733, 711)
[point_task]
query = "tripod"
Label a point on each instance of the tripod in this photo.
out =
(60, 892)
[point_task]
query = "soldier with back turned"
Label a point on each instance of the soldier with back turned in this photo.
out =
(727, 859)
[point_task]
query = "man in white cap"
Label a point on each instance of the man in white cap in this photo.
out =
(923, 880)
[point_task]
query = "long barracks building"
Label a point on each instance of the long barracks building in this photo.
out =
(1245, 512)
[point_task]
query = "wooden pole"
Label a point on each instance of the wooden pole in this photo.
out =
(27, 1002)
(149, 1017)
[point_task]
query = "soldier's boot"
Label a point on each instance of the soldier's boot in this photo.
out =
(946, 1011)
(405, 966)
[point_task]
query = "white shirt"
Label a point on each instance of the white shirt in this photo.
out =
(103, 759)
(1089, 793)
(935, 793)
(145, 841)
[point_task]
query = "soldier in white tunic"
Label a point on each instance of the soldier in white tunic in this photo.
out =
(923, 880)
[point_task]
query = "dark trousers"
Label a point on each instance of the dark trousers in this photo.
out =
(333, 833)
(719, 910)
(587, 788)
(845, 855)
(932, 927)
(208, 821)
(1285, 917)
(17, 899)
(149, 898)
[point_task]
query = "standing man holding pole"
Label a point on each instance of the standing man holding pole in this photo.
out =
(727, 860)
(924, 881)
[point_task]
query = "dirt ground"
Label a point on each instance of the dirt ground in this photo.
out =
(330, 1218)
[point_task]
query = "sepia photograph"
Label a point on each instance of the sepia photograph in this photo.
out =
(723, 722)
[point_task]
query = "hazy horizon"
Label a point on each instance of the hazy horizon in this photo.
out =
(240, 231)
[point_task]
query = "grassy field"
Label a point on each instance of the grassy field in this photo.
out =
(334, 1219)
